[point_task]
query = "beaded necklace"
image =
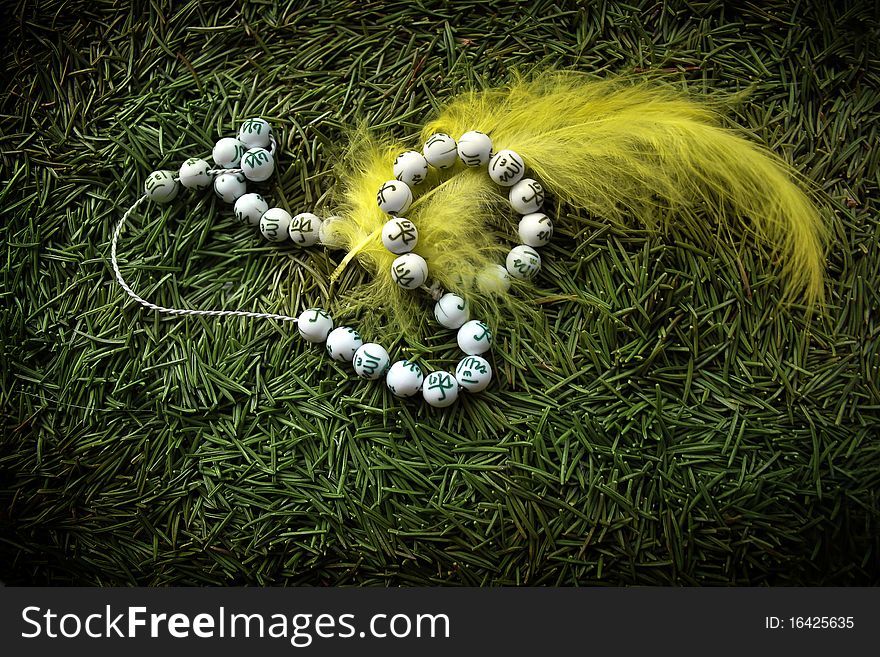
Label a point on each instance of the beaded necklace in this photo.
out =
(250, 157)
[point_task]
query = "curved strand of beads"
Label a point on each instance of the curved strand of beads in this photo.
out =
(250, 157)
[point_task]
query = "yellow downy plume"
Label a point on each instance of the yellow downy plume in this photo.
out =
(454, 212)
(621, 149)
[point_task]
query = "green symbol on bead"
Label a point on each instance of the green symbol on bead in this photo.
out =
(255, 158)
(318, 314)
(473, 364)
(442, 382)
(252, 126)
(158, 179)
(465, 375)
(524, 267)
(369, 363)
(412, 367)
(467, 368)
(485, 335)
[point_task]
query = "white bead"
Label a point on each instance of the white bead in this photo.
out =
(474, 148)
(274, 224)
(474, 338)
(473, 373)
(227, 152)
(440, 150)
(494, 278)
(506, 168)
(451, 311)
(342, 343)
(409, 271)
(400, 235)
(371, 361)
(523, 262)
(257, 164)
(440, 389)
(394, 197)
(230, 186)
(305, 229)
(314, 324)
(194, 173)
(411, 168)
(254, 133)
(249, 208)
(160, 186)
(526, 196)
(404, 379)
(535, 229)
(328, 233)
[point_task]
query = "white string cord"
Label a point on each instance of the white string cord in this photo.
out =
(174, 311)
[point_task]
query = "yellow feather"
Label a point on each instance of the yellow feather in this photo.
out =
(454, 212)
(619, 148)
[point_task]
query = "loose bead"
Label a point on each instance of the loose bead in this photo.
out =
(474, 338)
(230, 186)
(254, 133)
(227, 152)
(494, 278)
(394, 197)
(400, 235)
(411, 168)
(535, 229)
(523, 262)
(475, 148)
(473, 373)
(440, 151)
(526, 196)
(409, 271)
(506, 168)
(257, 164)
(194, 174)
(160, 186)
(451, 311)
(249, 208)
(404, 379)
(305, 229)
(274, 224)
(371, 361)
(440, 389)
(342, 343)
(314, 324)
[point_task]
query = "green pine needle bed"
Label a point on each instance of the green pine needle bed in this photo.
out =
(677, 428)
